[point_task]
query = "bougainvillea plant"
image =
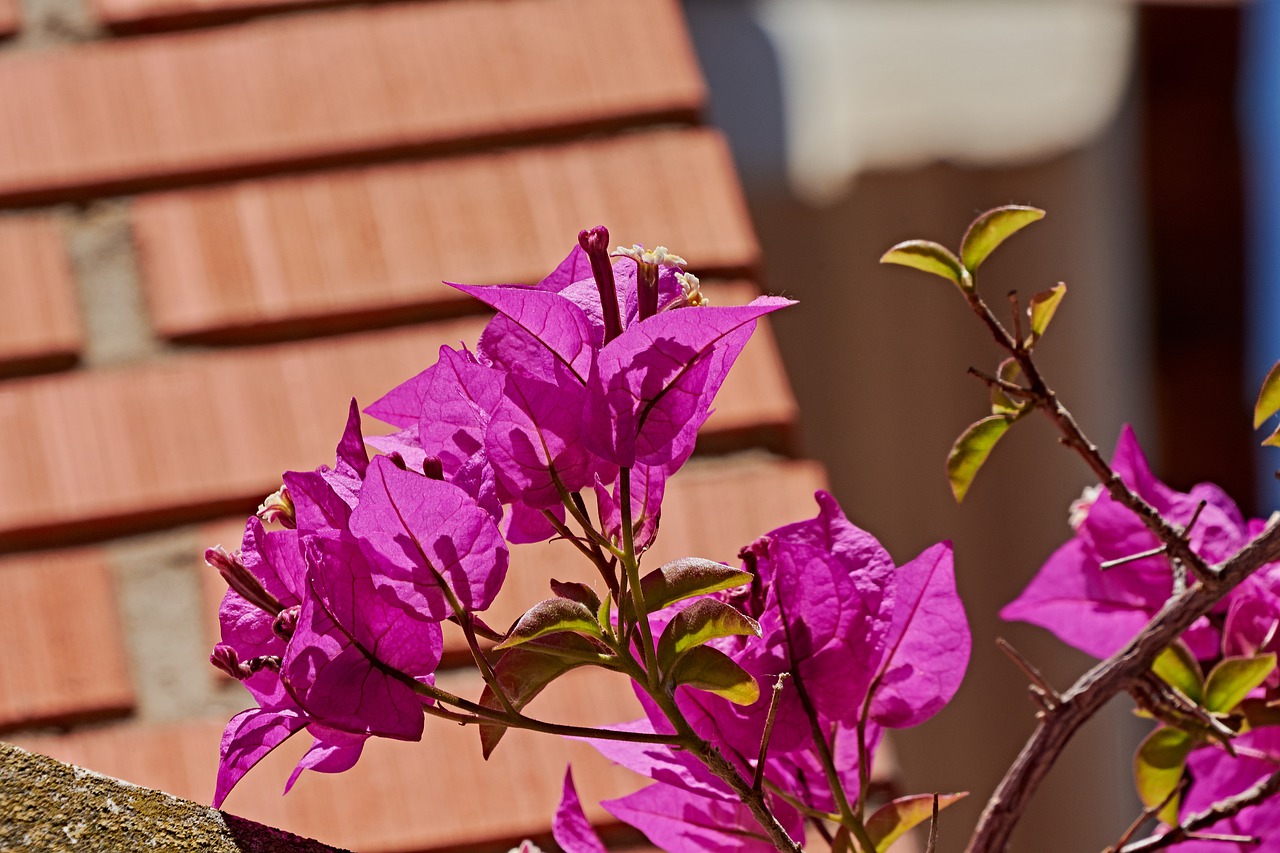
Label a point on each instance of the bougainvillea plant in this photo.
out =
(766, 687)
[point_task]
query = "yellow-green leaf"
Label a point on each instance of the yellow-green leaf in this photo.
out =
(1179, 667)
(1274, 440)
(1268, 398)
(1042, 308)
(1233, 679)
(894, 818)
(972, 449)
(1002, 403)
(929, 257)
(991, 229)
(687, 577)
(705, 620)
(709, 669)
(1158, 767)
(551, 617)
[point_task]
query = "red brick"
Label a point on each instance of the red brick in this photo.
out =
(40, 323)
(330, 87)
(64, 656)
(232, 261)
(141, 446)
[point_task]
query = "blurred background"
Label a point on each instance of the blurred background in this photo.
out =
(223, 218)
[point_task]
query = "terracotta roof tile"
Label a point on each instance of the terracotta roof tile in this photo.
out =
(338, 247)
(201, 431)
(64, 656)
(40, 323)
(333, 86)
(10, 17)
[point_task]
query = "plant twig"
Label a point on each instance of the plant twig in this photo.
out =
(1219, 811)
(1047, 401)
(1170, 705)
(1147, 814)
(1046, 695)
(758, 782)
(1003, 384)
(933, 828)
(1107, 678)
(1115, 674)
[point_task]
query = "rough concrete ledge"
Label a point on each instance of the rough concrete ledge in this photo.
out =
(46, 805)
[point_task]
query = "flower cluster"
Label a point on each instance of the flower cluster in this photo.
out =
(597, 379)
(855, 645)
(1103, 586)
(593, 381)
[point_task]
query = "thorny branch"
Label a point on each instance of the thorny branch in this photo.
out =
(1123, 669)
(1219, 811)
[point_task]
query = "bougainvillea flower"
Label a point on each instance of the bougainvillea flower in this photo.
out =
(1216, 775)
(927, 644)
(648, 485)
(247, 739)
(323, 498)
(534, 439)
(570, 828)
(822, 600)
(248, 630)
(332, 751)
(679, 822)
(1098, 610)
(533, 331)
(870, 644)
(422, 533)
(652, 386)
(688, 808)
(343, 623)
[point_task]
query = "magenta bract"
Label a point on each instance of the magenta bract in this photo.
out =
(1098, 610)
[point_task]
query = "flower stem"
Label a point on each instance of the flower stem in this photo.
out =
(632, 567)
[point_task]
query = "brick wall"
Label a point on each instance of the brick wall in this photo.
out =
(217, 225)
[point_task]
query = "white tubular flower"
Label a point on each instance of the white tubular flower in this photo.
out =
(658, 256)
(691, 287)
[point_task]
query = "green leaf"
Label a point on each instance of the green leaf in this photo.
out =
(604, 613)
(551, 617)
(522, 673)
(1179, 667)
(704, 620)
(574, 591)
(894, 818)
(972, 449)
(1158, 767)
(1002, 403)
(705, 668)
(687, 577)
(1042, 308)
(993, 228)
(929, 257)
(1268, 397)
(1235, 678)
